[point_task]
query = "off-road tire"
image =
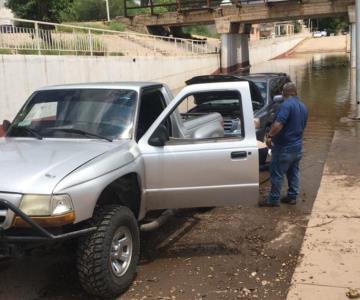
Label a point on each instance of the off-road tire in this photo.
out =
(93, 255)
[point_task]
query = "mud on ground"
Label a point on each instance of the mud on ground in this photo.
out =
(223, 253)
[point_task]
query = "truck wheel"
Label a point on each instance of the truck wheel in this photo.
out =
(107, 258)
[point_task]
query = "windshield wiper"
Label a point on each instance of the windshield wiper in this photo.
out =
(33, 132)
(82, 132)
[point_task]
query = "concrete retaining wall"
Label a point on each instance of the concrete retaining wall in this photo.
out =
(264, 50)
(20, 75)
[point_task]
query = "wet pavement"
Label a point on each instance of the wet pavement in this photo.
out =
(328, 268)
(224, 253)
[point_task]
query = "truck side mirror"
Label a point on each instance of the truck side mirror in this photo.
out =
(159, 137)
(278, 99)
(6, 125)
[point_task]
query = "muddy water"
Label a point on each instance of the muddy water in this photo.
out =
(324, 85)
(243, 252)
(224, 253)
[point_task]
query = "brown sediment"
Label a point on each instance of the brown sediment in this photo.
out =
(224, 253)
(240, 68)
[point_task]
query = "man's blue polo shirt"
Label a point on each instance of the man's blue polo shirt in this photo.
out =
(293, 114)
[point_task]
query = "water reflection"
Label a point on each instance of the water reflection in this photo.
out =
(324, 84)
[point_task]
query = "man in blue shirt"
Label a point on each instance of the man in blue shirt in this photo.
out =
(286, 141)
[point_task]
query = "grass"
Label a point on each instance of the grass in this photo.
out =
(116, 26)
(6, 51)
(69, 44)
(202, 30)
(99, 48)
(56, 52)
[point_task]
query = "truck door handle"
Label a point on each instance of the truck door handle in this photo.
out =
(238, 154)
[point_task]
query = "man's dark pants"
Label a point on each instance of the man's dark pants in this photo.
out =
(285, 161)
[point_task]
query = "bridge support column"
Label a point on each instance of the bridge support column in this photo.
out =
(352, 20)
(353, 45)
(234, 47)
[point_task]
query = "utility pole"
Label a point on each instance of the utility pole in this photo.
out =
(107, 10)
(357, 13)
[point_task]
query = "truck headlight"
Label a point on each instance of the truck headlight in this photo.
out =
(46, 210)
(36, 205)
(46, 205)
(61, 204)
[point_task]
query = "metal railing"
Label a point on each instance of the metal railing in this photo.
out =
(154, 7)
(35, 37)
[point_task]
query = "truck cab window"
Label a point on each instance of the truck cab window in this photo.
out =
(211, 115)
(151, 106)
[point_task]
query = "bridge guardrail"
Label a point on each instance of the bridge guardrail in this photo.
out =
(159, 6)
(35, 37)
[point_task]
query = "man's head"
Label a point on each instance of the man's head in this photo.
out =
(289, 90)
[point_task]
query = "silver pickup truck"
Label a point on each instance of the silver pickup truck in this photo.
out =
(90, 161)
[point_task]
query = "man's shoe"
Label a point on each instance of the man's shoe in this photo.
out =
(286, 200)
(265, 203)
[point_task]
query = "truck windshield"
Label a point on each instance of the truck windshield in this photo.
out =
(77, 113)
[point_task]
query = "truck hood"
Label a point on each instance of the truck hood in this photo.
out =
(36, 166)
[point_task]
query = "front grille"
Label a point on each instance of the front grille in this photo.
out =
(228, 125)
(6, 215)
(231, 125)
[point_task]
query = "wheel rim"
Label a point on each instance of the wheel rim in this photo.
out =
(121, 251)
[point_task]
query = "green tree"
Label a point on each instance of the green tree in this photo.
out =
(332, 25)
(40, 10)
(92, 10)
(87, 10)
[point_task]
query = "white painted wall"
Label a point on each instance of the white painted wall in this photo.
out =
(264, 50)
(20, 75)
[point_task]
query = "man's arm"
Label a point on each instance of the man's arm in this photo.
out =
(275, 129)
(281, 119)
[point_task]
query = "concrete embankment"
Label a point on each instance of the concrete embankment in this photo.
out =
(20, 75)
(325, 44)
(264, 50)
(329, 261)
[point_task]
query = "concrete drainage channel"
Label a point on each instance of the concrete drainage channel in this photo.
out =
(225, 253)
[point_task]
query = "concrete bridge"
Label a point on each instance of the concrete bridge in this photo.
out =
(186, 12)
(233, 19)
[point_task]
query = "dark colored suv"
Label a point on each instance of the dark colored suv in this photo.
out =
(270, 86)
(265, 90)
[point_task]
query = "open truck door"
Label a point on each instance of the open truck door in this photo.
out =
(192, 165)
